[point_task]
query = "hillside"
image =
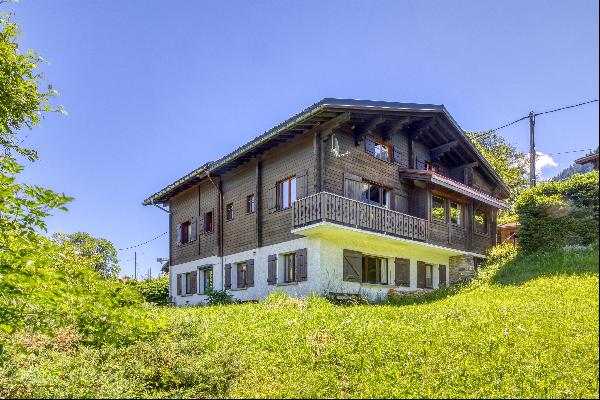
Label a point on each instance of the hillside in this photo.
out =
(527, 328)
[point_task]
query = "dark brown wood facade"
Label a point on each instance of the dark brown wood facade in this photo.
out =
(328, 151)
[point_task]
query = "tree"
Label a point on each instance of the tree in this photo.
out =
(508, 162)
(100, 250)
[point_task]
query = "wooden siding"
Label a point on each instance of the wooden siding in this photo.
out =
(351, 159)
(183, 207)
(279, 163)
(239, 234)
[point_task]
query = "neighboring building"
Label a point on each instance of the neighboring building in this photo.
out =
(509, 232)
(348, 196)
(592, 158)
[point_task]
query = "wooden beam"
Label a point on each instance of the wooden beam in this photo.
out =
(396, 127)
(423, 127)
(326, 128)
(438, 151)
(368, 128)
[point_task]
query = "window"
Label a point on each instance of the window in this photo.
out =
(455, 213)
(289, 265)
(187, 279)
(207, 279)
(250, 204)
(186, 232)
(229, 212)
(242, 275)
(374, 270)
(375, 194)
(431, 167)
(480, 220)
(438, 208)
(383, 151)
(208, 222)
(429, 276)
(286, 192)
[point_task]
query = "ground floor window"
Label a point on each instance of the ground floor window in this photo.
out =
(429, 276)
(242, 275)
(207, 279)
(374, 270)
(187, 281)
(289, 265)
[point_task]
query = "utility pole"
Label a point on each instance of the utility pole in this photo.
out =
(135, 265)
(532, 154)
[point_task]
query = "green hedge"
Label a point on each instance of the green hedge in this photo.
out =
(154, 290)
(556, 214)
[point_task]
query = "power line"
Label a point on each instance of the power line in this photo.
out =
(545, 112)
(141, 244)
(570, 151)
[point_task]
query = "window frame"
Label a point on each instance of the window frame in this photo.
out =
(293, 268)
(187, 281)
(208, 222)
(433, 217)
(291, 189)
(186, 232)
(459, 207)
(388, 147)
(250, 204)
(485, 222)
(381, 270)
(384, 194)
(207, 272)
(229, 212)
(244, 270)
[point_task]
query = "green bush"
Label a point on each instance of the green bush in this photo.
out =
(217, 297)
(559, 213)
(154, 290)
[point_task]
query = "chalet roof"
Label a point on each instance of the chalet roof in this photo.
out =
(317, 113)
(587, 159)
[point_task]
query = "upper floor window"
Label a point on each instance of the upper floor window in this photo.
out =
(250, 204)
(286, 192)
(480, 220)
(186, 232)
(375, 194)
(229, 212)
(383, 151)
(374, 270)
(455, 213)
(208, 222)
(438, 208)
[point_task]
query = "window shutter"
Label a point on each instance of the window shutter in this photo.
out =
(272, 198)
(227, 276)
(178, 284)
(369, 145)
(352, 266)
(352, 186)
(402, 273)
(178, 234)
(272, 269)
(421, 275)
(194, 229)
(302, 184)
(442, 275)
(250, 273)
(301, 265)
(397, 155)
(194, 279)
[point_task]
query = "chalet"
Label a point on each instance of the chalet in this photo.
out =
(348, 196)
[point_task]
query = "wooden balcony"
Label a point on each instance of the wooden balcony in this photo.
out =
(329, 207)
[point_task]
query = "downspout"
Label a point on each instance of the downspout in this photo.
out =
(220, 233)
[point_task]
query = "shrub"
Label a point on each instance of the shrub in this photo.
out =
(153, 290)
(557, 214)
(216, 297)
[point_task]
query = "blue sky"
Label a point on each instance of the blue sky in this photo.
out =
(155, 89)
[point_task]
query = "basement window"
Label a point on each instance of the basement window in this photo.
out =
(374, 270)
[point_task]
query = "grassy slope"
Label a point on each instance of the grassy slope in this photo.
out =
(529, 329)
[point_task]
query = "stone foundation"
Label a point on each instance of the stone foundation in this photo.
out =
(461, 269)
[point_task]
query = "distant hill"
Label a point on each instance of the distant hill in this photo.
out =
(574, 169)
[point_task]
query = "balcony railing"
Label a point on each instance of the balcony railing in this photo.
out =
(330, 207)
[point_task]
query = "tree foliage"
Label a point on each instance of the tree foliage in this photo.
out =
(559, 213)
(154, 290)
(101, 250)
(509, 163)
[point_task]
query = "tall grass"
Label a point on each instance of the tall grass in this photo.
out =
(528, 327)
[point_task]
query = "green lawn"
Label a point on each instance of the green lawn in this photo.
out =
(528, 328)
